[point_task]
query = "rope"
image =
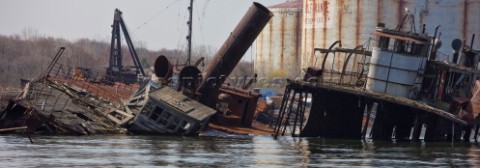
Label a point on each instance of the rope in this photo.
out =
(154, 16)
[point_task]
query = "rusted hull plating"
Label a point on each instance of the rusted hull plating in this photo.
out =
(338, 112)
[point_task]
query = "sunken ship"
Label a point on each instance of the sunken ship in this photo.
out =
(398, 90)
(172, 101)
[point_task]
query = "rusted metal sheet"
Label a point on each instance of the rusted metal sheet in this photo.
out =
(337, 112)
(231, 52)
(66, 101)
(242, 104)
(278, 45)
(55, 107)
(353, 22)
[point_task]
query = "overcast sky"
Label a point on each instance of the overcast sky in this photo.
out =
(155, 23)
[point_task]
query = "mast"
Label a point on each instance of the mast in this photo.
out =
(189, 37)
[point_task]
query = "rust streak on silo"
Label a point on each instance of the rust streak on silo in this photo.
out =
(340, 18)
(359, 21)
(379, 11)
(465, 19)
(312, 42)
(305, 35)
(325, 11)
(400, 12)
(270, 46)
(424, 13)
(261, 54)
(298, 34)
(282, 39)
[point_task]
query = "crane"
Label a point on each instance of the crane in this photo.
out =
(116, 71)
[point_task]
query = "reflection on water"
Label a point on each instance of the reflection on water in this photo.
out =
(142, 151)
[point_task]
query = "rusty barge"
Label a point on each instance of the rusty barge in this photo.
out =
(398, 91)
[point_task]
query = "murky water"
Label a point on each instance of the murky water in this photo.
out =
(148, 151)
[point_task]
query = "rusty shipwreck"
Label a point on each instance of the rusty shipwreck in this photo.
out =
(398, 90)
(72, 100)
(401, 89)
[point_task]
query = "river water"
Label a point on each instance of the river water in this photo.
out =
(256, 151)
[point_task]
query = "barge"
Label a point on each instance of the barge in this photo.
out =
(398, 91)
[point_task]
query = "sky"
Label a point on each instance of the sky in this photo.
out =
(154, 24)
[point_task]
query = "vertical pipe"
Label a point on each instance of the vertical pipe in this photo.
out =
(232, 52)
(471, 43)
(189, 37)
(302, 113)
(417, 127)
(433, 50)
(423, 29)
(369, 112)
(299, 108)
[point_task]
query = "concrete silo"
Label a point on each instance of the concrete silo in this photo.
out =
(277, 48)
(354, 21)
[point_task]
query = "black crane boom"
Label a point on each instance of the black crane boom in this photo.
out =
(116, 71)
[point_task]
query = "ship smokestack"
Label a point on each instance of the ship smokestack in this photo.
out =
(231, 52)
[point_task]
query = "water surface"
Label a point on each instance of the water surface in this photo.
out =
(258, 151)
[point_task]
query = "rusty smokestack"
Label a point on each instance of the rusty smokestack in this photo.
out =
(232, 51)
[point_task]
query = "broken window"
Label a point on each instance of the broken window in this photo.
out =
(148, 109)
(399, 46)
(164, 118)
(419, 49)
(156, 114)
(383, 43)
(172, 125)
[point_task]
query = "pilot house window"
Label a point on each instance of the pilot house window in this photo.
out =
(156, 114)
(402, 46)
(165, 118)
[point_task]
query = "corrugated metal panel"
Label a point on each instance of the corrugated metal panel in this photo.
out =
(354, 22)
(278, 46)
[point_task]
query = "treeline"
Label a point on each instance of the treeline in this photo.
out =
(26, 56)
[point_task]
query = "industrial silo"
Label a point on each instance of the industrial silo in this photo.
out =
(277, 49)
(354, 21)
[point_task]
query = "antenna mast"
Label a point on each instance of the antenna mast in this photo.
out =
(189, 37)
